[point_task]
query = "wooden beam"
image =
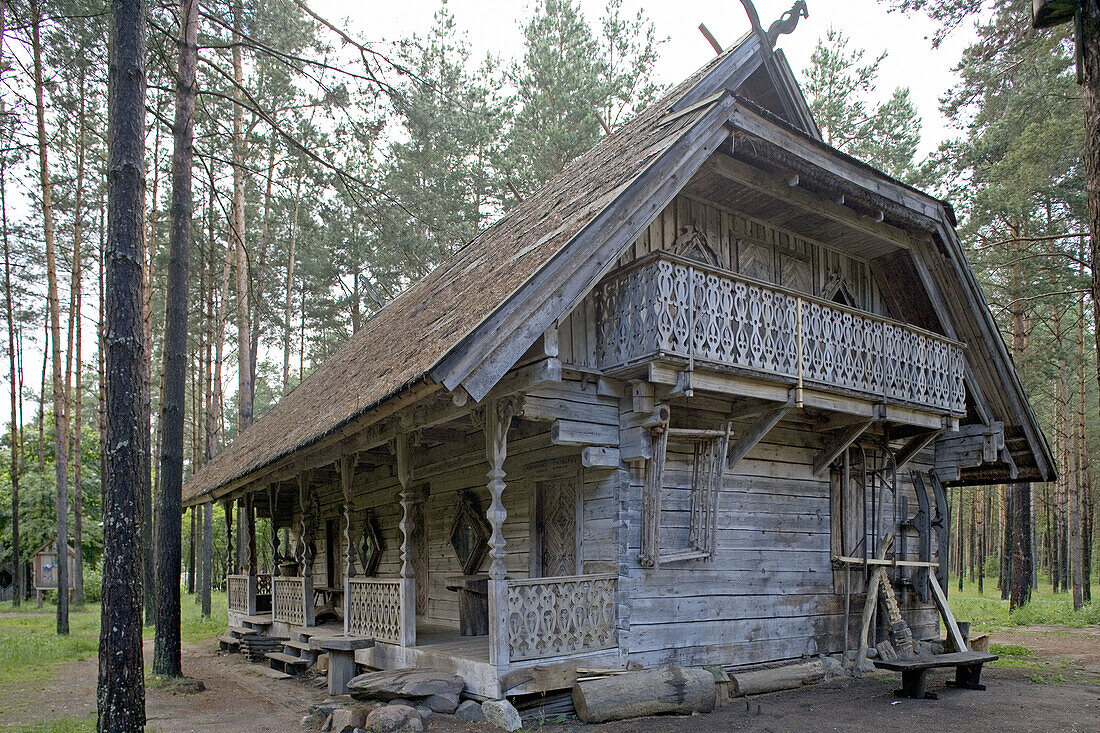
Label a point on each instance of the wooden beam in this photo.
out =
(948, 617)
(593, 457)
(756, 433)
(752, 177)
(915, 445)
(838, 445)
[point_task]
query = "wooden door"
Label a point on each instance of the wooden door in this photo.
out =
(556, 548)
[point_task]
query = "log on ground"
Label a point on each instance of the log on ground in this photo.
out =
(758, 681)
(682, 690)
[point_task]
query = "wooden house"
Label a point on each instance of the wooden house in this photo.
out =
(44, 565)
(667, 410)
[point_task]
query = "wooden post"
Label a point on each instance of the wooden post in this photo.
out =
(347, 473)
(272, 505)
(248, 561)
(400, 447)
(495, 418)
(228, 506)
(307, 550)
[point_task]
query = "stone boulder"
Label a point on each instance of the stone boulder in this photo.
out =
(470, 711)
(345, 720)
(446, 702)
(413, 684)
(394, 719)
(502, 714)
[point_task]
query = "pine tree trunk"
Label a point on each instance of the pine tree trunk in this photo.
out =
(16, 445)
(1021, 552)
(237, 234)
(1006, 542)
(60, 408)
(121, 690)
(42, 401)
(166, 650)
(261, 269)
(207, 555)
(147, 389)
(1089, 44)
(288, 313)
(75, 359)
(191, 552)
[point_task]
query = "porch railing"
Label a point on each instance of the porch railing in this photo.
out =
(288, 600)
(664, 305)
(237, 590)
(375, 609)
(549, 617)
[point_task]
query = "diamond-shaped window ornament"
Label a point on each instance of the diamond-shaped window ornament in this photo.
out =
(371, 546)
(470, 533)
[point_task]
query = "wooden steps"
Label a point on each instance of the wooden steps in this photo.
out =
(229, 643)
(242, 630)
(272, 673)
(301, 646)
(260, 619)
(286, 663)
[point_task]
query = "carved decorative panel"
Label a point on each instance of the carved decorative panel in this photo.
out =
(549, 617)
(556, 525)
(374, 608)
(371, 545)
(470, 534)
(288, 600)
(237, 588)
(755, 259)
(419, 541)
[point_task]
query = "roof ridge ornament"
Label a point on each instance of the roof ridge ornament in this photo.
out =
(786, 23)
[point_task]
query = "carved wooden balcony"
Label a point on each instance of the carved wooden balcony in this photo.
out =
(666, 307)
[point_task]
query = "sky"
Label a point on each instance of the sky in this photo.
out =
(493, 26)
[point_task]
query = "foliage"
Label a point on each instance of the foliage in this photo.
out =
(839, 85)
(988, 611)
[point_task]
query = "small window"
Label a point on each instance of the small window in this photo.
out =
(680, 496)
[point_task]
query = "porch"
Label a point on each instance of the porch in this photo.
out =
(552, 623)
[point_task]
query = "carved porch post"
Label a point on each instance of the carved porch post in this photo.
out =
(347, 473)
(307, 550)
(272, 505)
(495, 418)
(400, 447)
(250, 555)
(227, 505)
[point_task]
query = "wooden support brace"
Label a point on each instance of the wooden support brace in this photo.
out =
(915, 445)
(948, 617)
(838, 445)
(756, 433)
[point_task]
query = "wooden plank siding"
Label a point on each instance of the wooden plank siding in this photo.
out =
(769, 593)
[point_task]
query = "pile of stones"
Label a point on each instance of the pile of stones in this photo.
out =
(403, 701)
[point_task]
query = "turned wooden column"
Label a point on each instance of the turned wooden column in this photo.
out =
(400, 447)
(272, 504)
(230, 568)
(495, 418)
(248, 508)
(307, 549)
(347, 473)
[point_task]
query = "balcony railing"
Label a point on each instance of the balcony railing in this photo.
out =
(374, 609)
(550, 617)
(665, 306)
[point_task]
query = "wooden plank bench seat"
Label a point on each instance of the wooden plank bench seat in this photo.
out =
(968, 671)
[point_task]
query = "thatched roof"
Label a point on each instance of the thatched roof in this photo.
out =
(401, 343)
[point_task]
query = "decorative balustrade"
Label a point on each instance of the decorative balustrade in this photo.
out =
(288, 600)
(664, 305)
(549, 617)
(237, 590)
(263, 584)
(374, 608)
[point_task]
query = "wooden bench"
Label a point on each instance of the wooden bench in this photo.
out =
(968, 671)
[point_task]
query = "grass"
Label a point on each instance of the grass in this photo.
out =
(986, 611)
(56, 725)
(30, 648)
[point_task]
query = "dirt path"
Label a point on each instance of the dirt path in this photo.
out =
(239, 698)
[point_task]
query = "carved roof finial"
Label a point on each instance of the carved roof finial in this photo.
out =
(786, 23)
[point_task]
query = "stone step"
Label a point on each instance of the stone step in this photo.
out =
(301, 646)
(287, 659)
(242, 630)
(260, 619)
